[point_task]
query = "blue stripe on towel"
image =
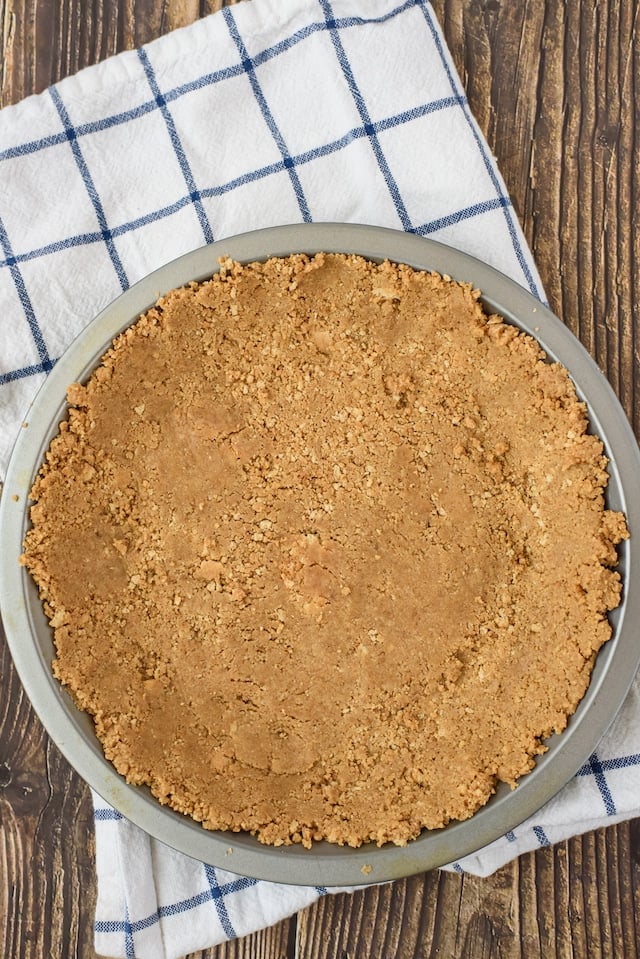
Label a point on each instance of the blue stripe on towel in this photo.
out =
(87, 179)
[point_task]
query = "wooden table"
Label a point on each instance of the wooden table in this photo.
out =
(555, 87)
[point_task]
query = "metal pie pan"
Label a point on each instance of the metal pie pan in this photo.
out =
(30, 637)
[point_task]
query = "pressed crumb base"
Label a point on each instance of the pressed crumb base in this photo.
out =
(325, 550)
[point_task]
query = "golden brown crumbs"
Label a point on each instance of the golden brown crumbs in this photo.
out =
(325, 550)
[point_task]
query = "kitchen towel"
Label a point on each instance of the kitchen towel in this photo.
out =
(271, 111)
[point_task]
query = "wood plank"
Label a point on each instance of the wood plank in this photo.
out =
(46, 837)
(575, 901)
(273, 943)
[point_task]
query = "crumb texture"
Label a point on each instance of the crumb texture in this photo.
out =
(325, 550)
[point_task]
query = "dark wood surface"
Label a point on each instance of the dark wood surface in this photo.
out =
(555, 88)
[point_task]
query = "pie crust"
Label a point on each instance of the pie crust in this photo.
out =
(325, 550)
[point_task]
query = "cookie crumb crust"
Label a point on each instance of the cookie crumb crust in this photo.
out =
(325, 550)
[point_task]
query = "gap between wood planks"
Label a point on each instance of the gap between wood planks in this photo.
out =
(7, 31)
(180, 13)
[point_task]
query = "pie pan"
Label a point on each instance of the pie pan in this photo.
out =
(29, 634)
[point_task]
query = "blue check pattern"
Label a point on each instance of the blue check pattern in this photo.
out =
(215, 905)
(308, 110)
(181, 152)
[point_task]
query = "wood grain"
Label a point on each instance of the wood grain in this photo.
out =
(554, 87)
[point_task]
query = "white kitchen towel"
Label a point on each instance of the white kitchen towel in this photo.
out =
(272, 111)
